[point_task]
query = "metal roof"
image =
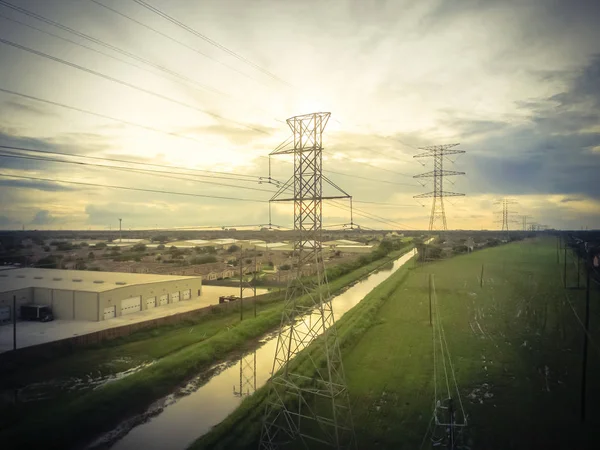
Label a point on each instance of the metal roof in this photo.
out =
(77, 280)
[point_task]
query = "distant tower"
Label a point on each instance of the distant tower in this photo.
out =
(120, 236)
(437, 220)
(506, 212)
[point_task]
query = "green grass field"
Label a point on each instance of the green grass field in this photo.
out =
(178, 352)
(515, 344)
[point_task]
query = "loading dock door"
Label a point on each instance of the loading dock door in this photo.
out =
(110, 312)
(174, 297)
(187, 294)
(131, 305)
(163, 300)
(151, 302)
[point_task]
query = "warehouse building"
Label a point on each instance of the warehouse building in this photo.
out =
(95, 296)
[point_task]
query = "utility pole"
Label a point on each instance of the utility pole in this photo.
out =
(481, 277)
(241, 264)
(254, 285)
(296, 418)
(438, 152)
(14, 318)
(120, 236)
(578, 269)
(245, 285)
(565, 268)
(430, 320)
(585, 341)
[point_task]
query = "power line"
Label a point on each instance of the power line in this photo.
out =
(171, 38)
(382, 203)
(368, 215)
(163, 174)
(173, 134)
(103, 116)
(362, 213)
(156, 191)
(106, 45)
(102, 53)
(210, 41)
(124, 83)
(231, 176)
(166, 174)
(374, 167)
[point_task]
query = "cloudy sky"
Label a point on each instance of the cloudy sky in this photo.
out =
(516, 83)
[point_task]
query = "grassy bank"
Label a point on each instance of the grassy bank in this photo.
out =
(515, 345)
(77, 419)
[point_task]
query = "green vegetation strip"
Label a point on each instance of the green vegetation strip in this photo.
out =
(101, 409)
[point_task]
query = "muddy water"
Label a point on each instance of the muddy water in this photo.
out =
(178, 420)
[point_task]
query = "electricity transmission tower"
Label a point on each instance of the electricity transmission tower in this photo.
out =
(438, 152)
(524, 217)
(506, 213)
(302, 408)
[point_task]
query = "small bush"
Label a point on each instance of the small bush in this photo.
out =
(204, 259)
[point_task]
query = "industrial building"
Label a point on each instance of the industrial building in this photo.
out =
(93, 296)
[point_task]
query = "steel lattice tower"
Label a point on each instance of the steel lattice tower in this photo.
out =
(300, 408)
(506, 212)
(437, 152)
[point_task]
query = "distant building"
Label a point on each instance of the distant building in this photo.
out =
(94, 296)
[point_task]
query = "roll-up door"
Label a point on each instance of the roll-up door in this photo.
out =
(163, 300)
(131, 305)
(187, 294)
(150, 302)
(110, 312)
(174, 297)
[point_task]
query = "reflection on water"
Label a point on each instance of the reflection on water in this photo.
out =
(247, 384)
(192, 411)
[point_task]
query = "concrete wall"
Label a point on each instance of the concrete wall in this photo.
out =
(24, 296)
(114, 297)
(63, 304)
(42, 296)
(86, 305)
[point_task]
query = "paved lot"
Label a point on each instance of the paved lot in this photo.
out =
(33, 333)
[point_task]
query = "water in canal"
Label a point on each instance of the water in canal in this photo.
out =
(178, 420)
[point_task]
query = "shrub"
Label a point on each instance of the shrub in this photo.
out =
(204, 259)
(139, 248)
(160, 247)
(460, 249)
(285, 267)
(233, 248)
(48, 262)
(100, 245)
